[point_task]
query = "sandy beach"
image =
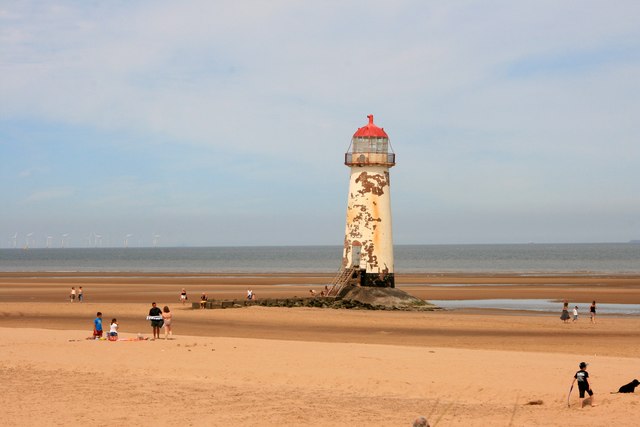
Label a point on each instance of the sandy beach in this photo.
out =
(307, 366)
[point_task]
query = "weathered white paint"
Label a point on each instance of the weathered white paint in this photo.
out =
(369, 219)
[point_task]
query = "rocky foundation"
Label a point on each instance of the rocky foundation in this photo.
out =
(351, 297)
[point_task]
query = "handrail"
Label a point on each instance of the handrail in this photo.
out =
(340, 280)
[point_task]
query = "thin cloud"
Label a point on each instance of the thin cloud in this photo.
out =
(49, 194)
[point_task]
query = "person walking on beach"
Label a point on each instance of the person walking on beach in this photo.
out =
(565, 312)
(97, 326)
(72, 295)
(80, 294)
(183, 296)
(575, 313)
(592, 311)
(166, 318)
(155, 315)
(582, 376)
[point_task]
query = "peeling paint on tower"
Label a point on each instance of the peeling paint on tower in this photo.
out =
(368, 226)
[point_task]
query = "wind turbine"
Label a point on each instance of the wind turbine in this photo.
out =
(98, 239)
(156, 237)
(65, 240)
(49, 239)
(126, 240)
(15, 240)
(26, 245)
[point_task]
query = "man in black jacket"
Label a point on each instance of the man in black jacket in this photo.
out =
(155, 315)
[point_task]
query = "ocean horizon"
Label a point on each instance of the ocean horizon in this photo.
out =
(584, 258)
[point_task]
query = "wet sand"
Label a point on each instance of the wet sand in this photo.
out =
(310, 366)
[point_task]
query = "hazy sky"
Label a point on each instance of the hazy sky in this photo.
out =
(217, 123)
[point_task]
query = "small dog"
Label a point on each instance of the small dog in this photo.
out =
(629, 388)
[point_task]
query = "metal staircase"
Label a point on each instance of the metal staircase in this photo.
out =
(341, 280)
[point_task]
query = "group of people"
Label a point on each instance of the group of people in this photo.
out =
(97, 328)
(323, 293)
(159, 319)
(79, 293)
(183, 298)
(565, 317)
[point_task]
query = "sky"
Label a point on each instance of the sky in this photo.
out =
(225, 123)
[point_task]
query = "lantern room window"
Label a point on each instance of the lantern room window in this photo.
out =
(370, 145)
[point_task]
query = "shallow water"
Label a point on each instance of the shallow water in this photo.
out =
(537, 305)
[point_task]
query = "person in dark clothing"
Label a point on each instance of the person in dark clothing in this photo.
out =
(155, 315)
(582, 376)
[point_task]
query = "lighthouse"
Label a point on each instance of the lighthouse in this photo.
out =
(368, 240)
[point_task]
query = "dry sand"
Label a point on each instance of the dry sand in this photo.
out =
(276, 366)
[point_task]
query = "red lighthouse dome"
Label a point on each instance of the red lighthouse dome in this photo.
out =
(370, 130)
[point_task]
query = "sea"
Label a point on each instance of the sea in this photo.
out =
(522, 259)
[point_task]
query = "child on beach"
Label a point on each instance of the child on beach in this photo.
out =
(97, 326)
(575, 313)
(582, 376)
(183, 296)
(113, 330)
(80, 294)
(592, 310)
(72, 295)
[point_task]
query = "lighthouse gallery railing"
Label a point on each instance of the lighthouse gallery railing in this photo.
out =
(370, 159)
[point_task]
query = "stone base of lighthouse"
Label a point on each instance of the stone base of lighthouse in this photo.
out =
(383, 298)
(377, 280)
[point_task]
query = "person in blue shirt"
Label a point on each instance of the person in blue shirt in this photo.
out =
(97, 326)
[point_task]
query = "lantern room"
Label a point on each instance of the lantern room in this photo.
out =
(370, 146)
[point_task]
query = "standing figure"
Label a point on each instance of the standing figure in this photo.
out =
(166, 318)
(97, 326)
(72, 295)
(203, 300)
(249, 294)
(575, 313)
(155, 315)
(183, 296)
(582, 376)
(592, 310)
(565, 312)
(80, 294)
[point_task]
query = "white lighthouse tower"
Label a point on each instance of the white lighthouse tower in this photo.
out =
(368, 240)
